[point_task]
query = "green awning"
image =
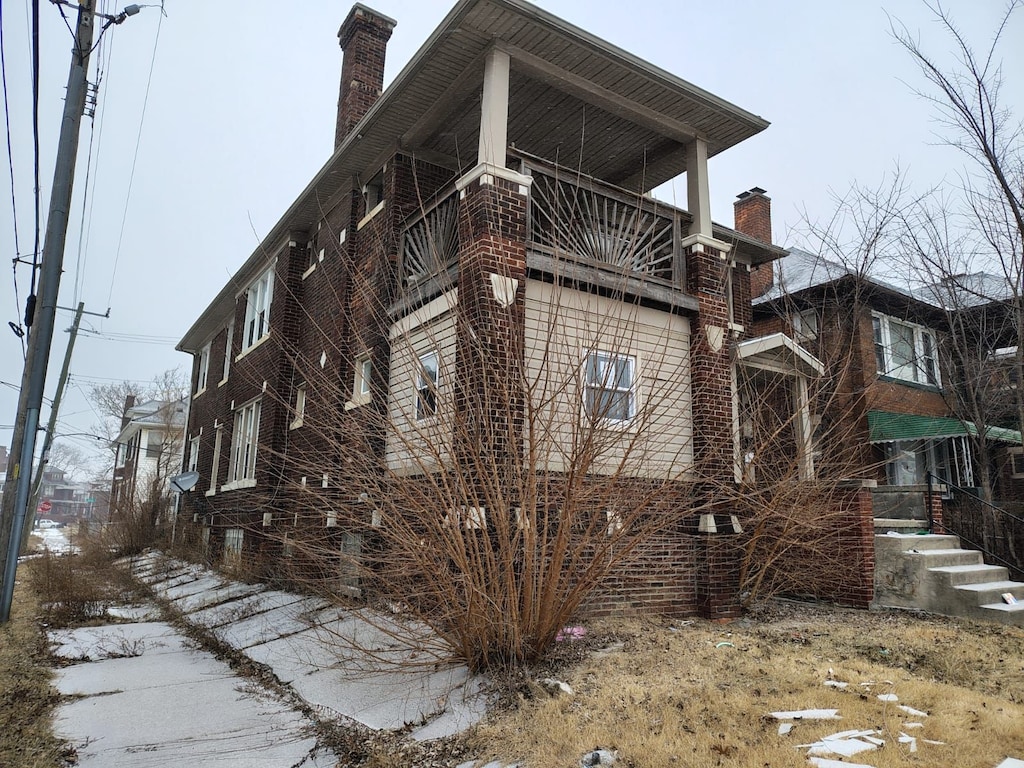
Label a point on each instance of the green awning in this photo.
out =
(886, 427)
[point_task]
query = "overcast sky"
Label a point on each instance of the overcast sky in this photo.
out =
(239, 114)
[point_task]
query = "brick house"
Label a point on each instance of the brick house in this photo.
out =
(887, 404)
(476, 269)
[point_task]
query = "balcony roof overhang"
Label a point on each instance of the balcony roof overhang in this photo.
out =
(573, 98)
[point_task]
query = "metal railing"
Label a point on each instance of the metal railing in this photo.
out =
(964, 498)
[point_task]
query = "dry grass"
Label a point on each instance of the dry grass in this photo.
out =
(26, 699)
(673, 696)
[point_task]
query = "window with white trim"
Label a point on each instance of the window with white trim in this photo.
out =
(215, 467)
(227, 350)
(610, 387)
(193, 454)
(426, 386)
(805, 325)
(905, 351)
(257, 309)
(363, 378)
(204, 369)
(233, 540)
(299, 407)
(243, 443)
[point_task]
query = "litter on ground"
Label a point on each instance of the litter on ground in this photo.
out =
(912, 711)
(808, 714)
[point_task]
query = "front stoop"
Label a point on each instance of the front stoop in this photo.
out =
(930, 572)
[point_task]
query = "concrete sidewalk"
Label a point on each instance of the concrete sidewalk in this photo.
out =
(143, 694)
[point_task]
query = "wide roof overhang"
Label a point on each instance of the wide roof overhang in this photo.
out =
(573, 98)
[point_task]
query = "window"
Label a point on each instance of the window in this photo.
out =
(805, 325)
(204, 369)
(193, 454)
(904, 350)
(215, 467)
(609, 392)
(243, 443)
(154, 445)
(233, 539)
(426, 386)
(257, 309)
(373, 191)
(228, 343)
(299, 408)
(363, 378)
(1016, 463)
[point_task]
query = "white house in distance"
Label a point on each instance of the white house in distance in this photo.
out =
(149, 449)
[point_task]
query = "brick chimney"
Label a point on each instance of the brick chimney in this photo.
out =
(753, 216)
(364, 39)
(129, 402)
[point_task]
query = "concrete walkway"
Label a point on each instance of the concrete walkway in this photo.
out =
(142, 694)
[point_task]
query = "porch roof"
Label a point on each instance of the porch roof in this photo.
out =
(778, 352)
(884, 427)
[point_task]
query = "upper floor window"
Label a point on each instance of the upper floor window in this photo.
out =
(243, 443)
(805, 325)
(204, 369)
(426, 386)
(228, 343)
(610, 383)
(905, 351)
(257, 309)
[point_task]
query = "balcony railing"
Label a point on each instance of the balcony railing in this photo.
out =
(604, 228)
(430, 245)
(572, 219)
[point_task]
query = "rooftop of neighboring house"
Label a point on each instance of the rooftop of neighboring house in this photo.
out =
(801, 271)
(152, 414)
(639, 118)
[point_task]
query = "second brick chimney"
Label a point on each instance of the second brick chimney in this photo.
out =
(364, 39)
(753, 217)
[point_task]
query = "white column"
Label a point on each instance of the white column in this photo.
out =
(804, 431)
(494, 110)
(698, 196)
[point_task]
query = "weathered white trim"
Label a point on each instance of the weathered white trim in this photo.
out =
(442, 305)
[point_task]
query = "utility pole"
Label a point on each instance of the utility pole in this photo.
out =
(51, 427)
(41, 337)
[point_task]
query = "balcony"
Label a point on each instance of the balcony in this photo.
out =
(577, 229)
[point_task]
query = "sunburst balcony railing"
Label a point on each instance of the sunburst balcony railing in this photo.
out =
(572, 219)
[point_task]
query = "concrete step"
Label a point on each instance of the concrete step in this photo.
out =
(935, 558)
(992, 592)
(972, 574)
(1015, 611)
(920, 542)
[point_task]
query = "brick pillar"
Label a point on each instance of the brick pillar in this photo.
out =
(713, 430)
(364, 38)
(857, 542)
(491, 304)
(935, 502)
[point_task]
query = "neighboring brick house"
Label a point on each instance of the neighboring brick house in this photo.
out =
(148, 451)
(482, 221)
(887, 404)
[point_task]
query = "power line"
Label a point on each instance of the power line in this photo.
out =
(10, 152)
(135, 156)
